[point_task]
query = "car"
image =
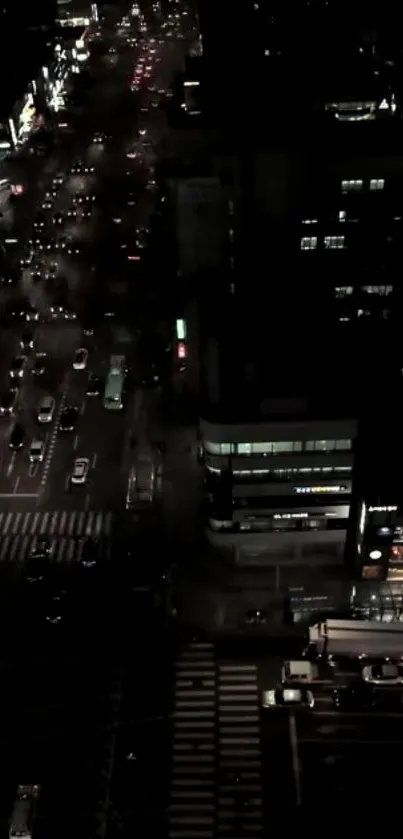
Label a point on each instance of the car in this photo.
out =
(36, 569)
(17, 367)
(94, 385)
(17, 437)
(80, 359)
(78, 198)
(41, 549)
(46, 409)
(86, 212)
(72, 213)
(37, 451)
(288, 697)
(79, 474)
(39, 365)
(73, 248)
(27, 341)
(256, 616)
(58, 218)
(58, 179)
(55, 608)
(26, 258)
(30, 314)
(39, 222)
(357, 696)
(47, 202)
(76, 168)
(8, 401)
(90, 553)
(68, 418)
(382, 674)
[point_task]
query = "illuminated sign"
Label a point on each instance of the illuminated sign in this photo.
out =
(290, 515)
(388, 509)
(363, 517)
(182, 351)
(375, 554)
(310, 490)
(191, 84)
(181, 330)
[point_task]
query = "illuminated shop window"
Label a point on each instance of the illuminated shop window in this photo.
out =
(343, 291)
(309, 243)
(334, 242)
(376, 184)
(351, 186)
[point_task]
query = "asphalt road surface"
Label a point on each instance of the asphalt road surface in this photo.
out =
(87, 282)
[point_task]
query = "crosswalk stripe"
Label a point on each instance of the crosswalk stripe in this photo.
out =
(4, 547)
(44, 523)
(63, 521)
(15, 525)
(7, 522)
(25, 523)
(35, 522)
(53, 524)
(70, 528)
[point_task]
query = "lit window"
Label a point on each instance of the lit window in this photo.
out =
(351, 186)
(309, 221)
(376, 184)
(327, 445)
(342, 215)
(343, 291)
(381, 290)
(309, 243)
(334, 242)
(244, 448)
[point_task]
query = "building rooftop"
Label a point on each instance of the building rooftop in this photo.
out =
(264, 366)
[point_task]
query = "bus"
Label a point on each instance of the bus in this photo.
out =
(113, 394)
(23, 812)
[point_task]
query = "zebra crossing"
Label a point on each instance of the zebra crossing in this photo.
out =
(65, 529)
(216, 786)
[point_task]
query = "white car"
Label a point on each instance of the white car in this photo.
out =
(382, 674)
(287, 697)
(80, 359)
(80, 470)
(46, 409)
(37, 451)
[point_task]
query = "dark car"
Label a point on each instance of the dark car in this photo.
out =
(58, 218)
(39, 222)
(55, 608)
(36, 569)
(17, 438)
(39, 366)
(94, 385)
(42, 548)
(68, 418)
(27, 341)
(8, 401)
(357, 696)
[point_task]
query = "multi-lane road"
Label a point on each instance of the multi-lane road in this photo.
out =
(78, 273)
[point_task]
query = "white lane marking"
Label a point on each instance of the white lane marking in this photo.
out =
(4, 547)
(70, 528)
(35, 522)
(11, 464)
(94, 460)
(16, 523)
(17, 481)
(32, 471)
(67, 483)
(80, 524)
(75, 444)
(296, 767)
(44, 524)
(62, 522)
(25, 523)
(82, 409)
(52, 440)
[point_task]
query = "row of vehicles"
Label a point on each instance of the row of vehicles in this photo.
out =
(372, 651)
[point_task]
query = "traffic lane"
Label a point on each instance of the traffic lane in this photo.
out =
(102, 439)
